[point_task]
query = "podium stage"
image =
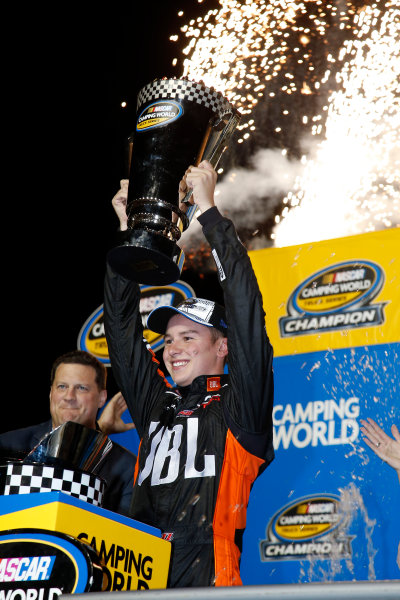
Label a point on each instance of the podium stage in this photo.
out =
(53, 543)
(355, 590)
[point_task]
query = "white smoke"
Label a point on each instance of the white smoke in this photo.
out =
(249, 196)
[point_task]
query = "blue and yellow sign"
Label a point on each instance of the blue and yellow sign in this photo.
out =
(331, 294)
(92, 336)
(323, 510)
(37, 563)
(132, 555)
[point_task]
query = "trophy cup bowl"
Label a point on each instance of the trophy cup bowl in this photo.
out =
(178, 123)
(73, 445)
(66, 460)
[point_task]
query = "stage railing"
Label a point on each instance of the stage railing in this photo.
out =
(354, 590)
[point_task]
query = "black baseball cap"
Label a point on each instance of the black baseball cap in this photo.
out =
(199, 310)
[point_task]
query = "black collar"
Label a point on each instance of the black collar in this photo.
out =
(204, 384)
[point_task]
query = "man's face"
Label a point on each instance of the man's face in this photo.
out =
(75, 395)
(190, 351)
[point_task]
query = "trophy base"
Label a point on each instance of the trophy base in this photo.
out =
(147, 257)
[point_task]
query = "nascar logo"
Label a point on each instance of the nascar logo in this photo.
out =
(38, 564)
(92, 336)
(158, 113)
(26, 568)
(334, 298)
(313, 526)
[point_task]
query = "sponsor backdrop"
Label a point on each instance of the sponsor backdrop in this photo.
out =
(75, 547)
(92, 336)
(325, 509)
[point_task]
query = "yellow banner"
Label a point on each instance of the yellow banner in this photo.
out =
(131, 559)
(332, 294)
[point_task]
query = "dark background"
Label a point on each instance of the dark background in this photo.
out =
(67, 70)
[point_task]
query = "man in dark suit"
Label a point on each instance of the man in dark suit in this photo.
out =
(77, 392)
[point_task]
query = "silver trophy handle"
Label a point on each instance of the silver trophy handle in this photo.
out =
(214, 149)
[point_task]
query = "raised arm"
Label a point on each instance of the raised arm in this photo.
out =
(384, 446)
(110, 420)
(133, 363)
(119, 204)
(249, 350)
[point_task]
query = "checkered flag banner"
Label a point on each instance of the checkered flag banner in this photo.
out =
(183, 89)
(20, 478)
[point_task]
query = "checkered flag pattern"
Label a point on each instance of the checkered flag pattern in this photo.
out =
(32, 479)
(182, 89)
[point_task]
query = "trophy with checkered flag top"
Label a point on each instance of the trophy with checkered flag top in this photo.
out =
(66, 460)
(178, 123)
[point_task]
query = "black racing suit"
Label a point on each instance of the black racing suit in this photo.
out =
(201, 446)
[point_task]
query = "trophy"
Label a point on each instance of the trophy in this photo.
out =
(66, 460)
(178, 123)
(72, 445)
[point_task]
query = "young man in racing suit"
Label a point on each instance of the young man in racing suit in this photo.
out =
(204, 441)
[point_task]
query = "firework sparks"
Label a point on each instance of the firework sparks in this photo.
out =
(351, 185)
(244, 45)
(318, 83)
